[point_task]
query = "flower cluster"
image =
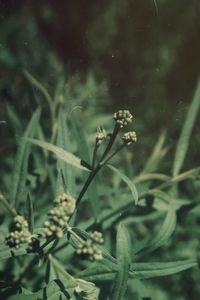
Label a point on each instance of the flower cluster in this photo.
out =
(123, 118)
(100, 136)
(97, 237)
(89, 249)
(20, 233)
(129, 137)
(59, 215)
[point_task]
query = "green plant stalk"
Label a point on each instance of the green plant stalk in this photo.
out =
(96, 147)
(70, 230)
(98, 167)
(94, 173)
(112, 139)
(8, 206)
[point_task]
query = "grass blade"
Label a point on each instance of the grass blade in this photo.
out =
(183, 142)
(63, 141)
(21, 161)
(158, 153)
(42, 90)
(130, 184)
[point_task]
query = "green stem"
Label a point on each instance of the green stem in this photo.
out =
(70, 230)
(99, 166)
(112, 139)
(8, 206)
(94, 155)
(105, 161)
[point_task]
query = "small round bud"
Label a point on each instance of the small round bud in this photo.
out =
(129, 137)
(97, 237)
(20, 222)
(123, 118)
(100, 136)
(59, 215)
(67, 202)
(90, 250)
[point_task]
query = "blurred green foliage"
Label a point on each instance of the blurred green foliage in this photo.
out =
(107, 55)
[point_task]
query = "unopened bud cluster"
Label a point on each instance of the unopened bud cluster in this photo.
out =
(100, 136)
(59, 215)
(123, 118)
(90, 250)
(97, 237)
(129, 137)
(20, 234)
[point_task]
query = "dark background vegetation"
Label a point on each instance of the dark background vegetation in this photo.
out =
(119, 53)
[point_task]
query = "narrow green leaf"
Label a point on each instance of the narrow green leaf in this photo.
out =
(21, 161)
(130, 184)
(97, 272)
(63, 141)
(60, 153)
(123, 261)
(54, 290)
(150, 177)
(42, 90)
(16, 123)
(141, 289)
(162, 236)
(157, 269)
(22, 297)
(158, 152)
(30, 213)
(183, 142)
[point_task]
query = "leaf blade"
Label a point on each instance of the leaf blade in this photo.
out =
(21, 160)
(130, 184)
(60, 153)
(162, 236)
(157, 269)
(183, 142)
(123, 259)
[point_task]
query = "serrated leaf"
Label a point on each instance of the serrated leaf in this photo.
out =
(183, 142)
(60, 153)
(21, 161)
(130, 184)
(162, 236)
(123, 261)
(157, 269)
